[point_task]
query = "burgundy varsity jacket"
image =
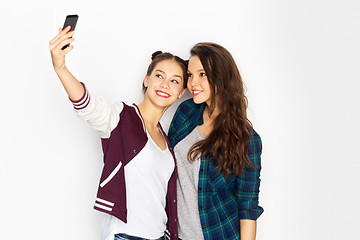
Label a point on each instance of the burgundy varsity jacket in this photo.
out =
(126, 140)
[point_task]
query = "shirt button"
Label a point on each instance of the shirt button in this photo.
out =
(175, 219)
(201, 170)
(200, 189)
(201, 207)
(174, 201)
(204, 225)
(134, 151)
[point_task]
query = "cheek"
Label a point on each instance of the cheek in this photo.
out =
(153, 82)
(189, 84)
(205, 84)
(178, 89)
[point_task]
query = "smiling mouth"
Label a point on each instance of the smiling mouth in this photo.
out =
(162, 94)
(196, 92)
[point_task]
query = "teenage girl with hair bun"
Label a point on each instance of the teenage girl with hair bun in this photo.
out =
(137, 189)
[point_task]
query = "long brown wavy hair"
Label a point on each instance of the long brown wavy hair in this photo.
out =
(227, 143)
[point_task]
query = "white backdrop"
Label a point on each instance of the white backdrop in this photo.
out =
(299, 60)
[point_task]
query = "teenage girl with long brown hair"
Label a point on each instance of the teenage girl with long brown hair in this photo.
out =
(217, 151)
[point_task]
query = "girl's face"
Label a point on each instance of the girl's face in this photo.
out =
(198, 83)
(165, 84)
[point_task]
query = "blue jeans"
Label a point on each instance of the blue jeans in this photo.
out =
(122, 236)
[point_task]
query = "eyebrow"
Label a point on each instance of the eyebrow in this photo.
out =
(165, 73)
(200, 70)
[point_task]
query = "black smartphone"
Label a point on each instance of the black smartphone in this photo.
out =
(71, 21)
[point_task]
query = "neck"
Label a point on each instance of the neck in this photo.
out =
(214, 114)
(151, 114)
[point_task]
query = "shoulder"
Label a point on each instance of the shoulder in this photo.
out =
(255, 147)
(254, 143)
(131, 114)
(186, 117)
(127, 107)
(181, 113)
(189, 110)
(188, 105)
(130, 108)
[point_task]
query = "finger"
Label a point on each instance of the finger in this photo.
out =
(58, 51)
(57, 46)
(68, 49)
(67, 29)
(63, 43)
(60, 37)
(55, 39)
(62, 33)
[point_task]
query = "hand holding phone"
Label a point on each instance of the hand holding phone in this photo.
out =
(71, 21)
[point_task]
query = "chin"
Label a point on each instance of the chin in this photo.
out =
(164, 104)
(198, 101)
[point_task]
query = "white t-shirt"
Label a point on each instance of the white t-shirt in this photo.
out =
(146, 178)
(146, 175)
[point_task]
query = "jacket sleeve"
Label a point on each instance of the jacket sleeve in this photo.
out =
(100, 114)
(249, 183)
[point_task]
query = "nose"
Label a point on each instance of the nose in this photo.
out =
(165, 84)
(193, 81)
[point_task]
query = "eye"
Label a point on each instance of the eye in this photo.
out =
(202, 74)
(175, 81)
(189, 75)
(159, 76)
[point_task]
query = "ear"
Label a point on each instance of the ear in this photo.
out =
(182, 93)
(146, 79)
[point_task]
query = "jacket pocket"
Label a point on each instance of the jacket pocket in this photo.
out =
(112, 174)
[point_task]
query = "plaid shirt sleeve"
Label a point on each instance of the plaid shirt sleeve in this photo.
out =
(187, 116)
(249, 183)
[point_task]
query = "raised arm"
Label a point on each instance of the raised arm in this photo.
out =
(103, 116)
(72, 86)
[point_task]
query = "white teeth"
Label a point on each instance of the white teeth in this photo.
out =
(163, 94)
(196, 91)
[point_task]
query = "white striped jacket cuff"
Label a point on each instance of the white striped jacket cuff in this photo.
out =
(83, 101)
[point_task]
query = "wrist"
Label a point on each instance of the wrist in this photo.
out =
(60, 70)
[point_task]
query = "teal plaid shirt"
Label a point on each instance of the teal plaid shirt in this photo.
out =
(222, 201)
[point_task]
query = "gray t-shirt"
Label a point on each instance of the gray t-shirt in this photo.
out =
(187, 188)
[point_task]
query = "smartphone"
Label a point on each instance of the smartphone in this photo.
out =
(71, 21)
